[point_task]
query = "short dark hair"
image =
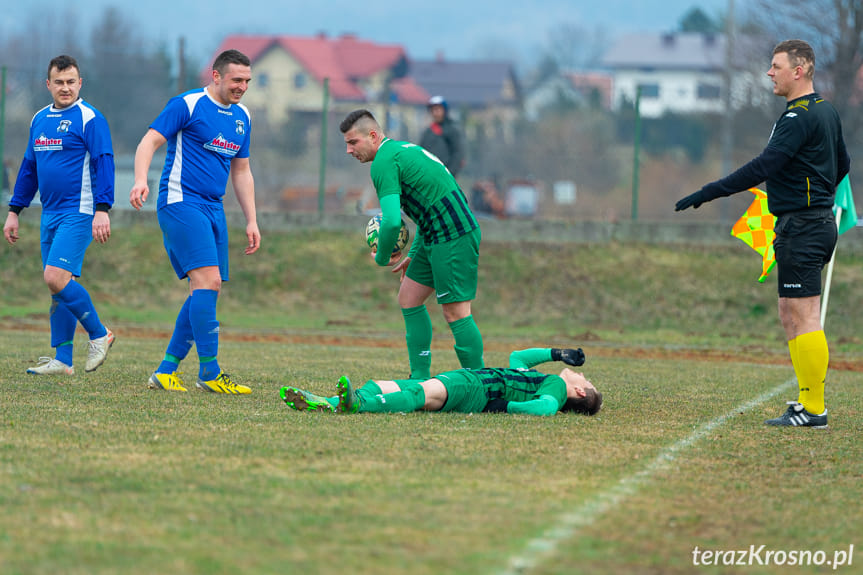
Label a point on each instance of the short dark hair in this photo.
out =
(800, 53)
(590, 404)
(230, 57)
(62, 62)
(354, 117)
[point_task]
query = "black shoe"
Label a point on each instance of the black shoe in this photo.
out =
(797, 416)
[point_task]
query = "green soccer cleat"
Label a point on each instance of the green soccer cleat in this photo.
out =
(222, 384)
(304, 400)
(349, 402)
(166, 381)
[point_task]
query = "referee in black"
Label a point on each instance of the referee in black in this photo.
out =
(804, 161)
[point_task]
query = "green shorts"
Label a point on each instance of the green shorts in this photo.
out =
(449, 267)
(465, 391)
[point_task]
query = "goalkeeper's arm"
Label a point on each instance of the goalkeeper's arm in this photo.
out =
(543, 405)
(527, 358)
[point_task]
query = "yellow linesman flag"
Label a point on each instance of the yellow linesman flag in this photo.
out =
(755, 229)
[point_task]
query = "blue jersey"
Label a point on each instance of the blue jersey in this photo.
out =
(203, 137)
(69, 160)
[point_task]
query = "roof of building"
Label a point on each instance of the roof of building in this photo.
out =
(586, 82)
(681, 51)
(344, 60)
(466, 83)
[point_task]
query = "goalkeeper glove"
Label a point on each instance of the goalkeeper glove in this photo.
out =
(568, 356)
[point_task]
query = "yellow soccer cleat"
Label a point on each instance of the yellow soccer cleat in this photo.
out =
(166, 381)
(222, 384)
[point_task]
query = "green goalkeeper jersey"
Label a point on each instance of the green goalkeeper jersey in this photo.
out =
(429, 194)
(521, 384)
(536, 393)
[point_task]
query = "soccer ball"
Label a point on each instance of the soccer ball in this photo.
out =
(373, 229)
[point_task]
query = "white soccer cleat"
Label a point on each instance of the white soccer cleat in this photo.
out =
(99, 351)
(51, 366)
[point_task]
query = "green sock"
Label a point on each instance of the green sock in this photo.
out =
(402, 383)
(411, 398)
(418, 335)
(468, 342)
(370, 387)
(366, 392)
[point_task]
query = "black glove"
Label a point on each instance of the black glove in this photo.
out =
(693, 200)
(568, 356)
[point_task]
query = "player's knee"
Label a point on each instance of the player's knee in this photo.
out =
(56, 278)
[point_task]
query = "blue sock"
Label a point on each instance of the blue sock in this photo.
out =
(209, 369)
(168, 365)
(79, 303)
(181, 340)
(64, 353)
(205, 327)
(63, 325)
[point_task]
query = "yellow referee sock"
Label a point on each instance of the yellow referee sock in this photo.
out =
(811, 367)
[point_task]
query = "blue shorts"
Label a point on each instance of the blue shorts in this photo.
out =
(65, 238)
(195, 236)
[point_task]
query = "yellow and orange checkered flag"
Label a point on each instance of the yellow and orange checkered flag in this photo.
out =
(755, 229)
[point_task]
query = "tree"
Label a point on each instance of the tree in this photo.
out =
(834, 28)
(129, 85)
(697, 21)
(573, 47)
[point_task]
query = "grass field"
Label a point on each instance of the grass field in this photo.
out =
(102, 475)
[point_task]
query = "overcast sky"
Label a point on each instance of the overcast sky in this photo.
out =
(459, 29)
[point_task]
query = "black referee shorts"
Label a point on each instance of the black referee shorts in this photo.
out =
(803, 245)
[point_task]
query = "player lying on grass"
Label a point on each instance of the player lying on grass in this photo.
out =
(514, 389)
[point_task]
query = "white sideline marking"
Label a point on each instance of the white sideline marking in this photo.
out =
(544, 546)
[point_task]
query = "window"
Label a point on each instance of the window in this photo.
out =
(299, 80)
(649, 90)
(708, 92)
(262, 80)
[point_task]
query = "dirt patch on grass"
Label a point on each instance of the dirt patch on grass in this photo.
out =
(759, 356)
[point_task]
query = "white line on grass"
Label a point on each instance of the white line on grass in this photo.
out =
(543, 547)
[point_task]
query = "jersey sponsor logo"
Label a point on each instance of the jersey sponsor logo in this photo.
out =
(44, 144)
(226, 112)
(791, 115)
(241, 127)
(63, 128)
(221, 145)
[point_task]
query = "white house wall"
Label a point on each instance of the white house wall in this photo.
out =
(678, 91)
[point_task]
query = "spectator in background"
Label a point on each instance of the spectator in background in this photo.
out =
(443, 138)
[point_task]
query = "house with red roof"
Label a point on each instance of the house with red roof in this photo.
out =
(289, 73)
